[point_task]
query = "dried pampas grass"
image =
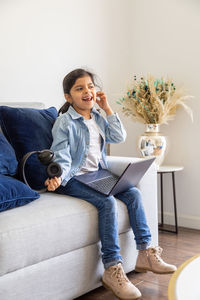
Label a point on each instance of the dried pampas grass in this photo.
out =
(154, 101)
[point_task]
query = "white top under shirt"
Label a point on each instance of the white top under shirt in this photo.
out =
(94, 154)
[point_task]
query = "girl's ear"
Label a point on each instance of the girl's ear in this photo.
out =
(68, 98)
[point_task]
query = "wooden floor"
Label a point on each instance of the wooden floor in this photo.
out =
(176, 249)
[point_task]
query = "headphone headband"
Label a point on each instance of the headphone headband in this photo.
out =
(22, 166)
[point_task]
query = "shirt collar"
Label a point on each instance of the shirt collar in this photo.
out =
(76, 115)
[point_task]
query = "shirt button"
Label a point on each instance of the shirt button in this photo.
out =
(87, 143)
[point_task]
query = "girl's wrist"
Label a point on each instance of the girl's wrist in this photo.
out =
(109, 111)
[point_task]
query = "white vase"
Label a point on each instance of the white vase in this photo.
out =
(153, 143)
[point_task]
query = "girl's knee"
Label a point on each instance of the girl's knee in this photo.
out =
(132, 196)
(109, 203)
(135, 193)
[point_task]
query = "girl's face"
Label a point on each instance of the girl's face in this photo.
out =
(82, 95)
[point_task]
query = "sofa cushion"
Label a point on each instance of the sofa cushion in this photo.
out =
(51, 226)
(29, 129)
(8, 161)
(14, 193)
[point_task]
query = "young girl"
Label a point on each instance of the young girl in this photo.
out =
(79, 138)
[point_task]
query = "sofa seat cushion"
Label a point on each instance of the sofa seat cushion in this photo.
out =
(48, 227)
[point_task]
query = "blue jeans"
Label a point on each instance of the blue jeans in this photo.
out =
(107, 214)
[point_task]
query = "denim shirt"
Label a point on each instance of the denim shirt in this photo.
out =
(71, 139)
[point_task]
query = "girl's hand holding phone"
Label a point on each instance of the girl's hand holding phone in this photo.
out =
(103, 103)
(53, 183)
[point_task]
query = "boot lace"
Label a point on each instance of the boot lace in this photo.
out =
(119, 274)
(157, 252)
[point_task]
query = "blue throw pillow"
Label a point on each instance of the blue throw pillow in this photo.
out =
(29, 129)
(14, 193)
(8, 161)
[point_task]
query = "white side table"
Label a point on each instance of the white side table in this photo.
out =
(161, 171)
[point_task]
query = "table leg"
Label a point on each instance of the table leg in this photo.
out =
(161, 198)
(175, 208)
(162, 225)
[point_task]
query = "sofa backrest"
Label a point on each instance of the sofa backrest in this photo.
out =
(38, 105)
(24, 104)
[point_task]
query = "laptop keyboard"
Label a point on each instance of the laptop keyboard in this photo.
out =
(104, 185)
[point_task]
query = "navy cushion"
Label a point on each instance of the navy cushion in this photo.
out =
(8, 161)
(29, 129)
(14, 193)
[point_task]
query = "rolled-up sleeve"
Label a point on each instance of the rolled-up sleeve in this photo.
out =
(115, 131)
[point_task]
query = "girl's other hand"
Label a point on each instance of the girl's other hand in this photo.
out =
(53, 183)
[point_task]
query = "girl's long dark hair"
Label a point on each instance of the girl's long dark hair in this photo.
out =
(70, 80)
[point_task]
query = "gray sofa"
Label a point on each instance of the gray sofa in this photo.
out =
(50, 249)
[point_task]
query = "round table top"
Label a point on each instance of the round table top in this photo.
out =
(167, 169)
(184, 283)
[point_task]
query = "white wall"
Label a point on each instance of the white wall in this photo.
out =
(166, 41)
(43, 40)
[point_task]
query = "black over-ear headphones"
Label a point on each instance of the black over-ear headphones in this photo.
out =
(46, 157)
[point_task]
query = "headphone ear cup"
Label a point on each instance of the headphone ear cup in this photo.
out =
(46, 156)
(54, 170)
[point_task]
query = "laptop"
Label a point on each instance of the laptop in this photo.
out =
(108, 183)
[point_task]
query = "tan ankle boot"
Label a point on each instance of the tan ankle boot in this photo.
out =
(150, 260)
(116, 280)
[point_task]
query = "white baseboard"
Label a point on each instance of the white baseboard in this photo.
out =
(183, 220)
